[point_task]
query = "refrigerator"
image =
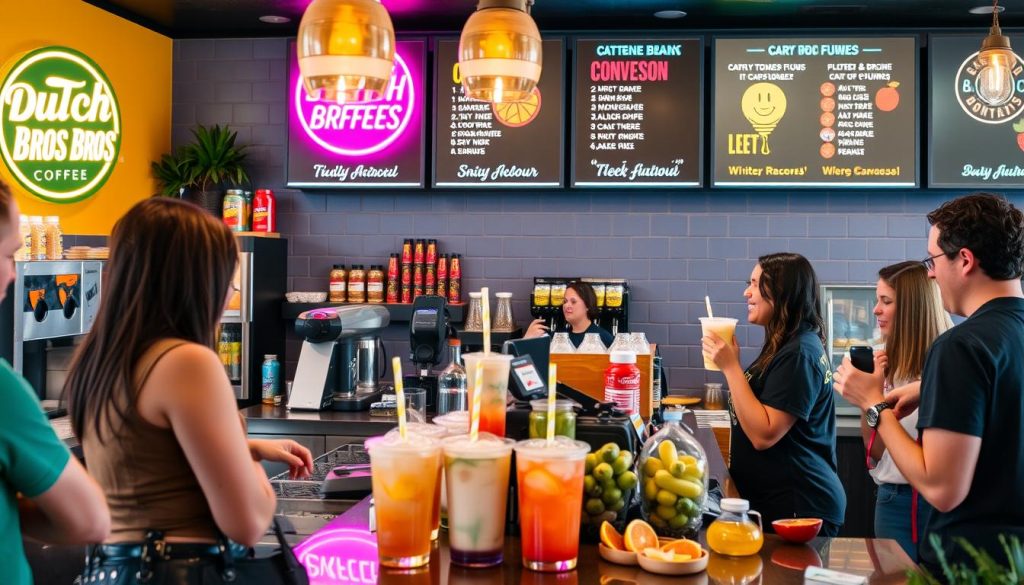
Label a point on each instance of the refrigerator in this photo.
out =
(848, 310)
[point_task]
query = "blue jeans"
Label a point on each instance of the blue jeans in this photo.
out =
(892, 516)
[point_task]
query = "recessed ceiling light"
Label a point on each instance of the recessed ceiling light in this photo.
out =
(985, 9)
(273, 19)
(670, 14)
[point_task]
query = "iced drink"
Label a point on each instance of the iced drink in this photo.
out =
(404, 477)
(477, 473)
(437, 433)
(550, 480)
(495, 389)
(457, 422)
(723, 327)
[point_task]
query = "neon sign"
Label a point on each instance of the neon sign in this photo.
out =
(60, 124)
(342, 556)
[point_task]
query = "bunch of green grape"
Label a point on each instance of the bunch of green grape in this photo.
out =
(607, 484)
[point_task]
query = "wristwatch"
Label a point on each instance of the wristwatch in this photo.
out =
(873, 413)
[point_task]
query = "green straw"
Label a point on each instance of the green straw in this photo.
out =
(552, 393)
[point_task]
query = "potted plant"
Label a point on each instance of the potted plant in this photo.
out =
(205, 167)
(173, 174)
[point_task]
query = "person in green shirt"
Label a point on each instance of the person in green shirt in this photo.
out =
(45, 493)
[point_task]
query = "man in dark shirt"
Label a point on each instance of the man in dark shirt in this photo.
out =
(970, 463)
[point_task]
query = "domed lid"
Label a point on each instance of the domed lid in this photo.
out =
(675, 414)
(735, 505)
(621, 357)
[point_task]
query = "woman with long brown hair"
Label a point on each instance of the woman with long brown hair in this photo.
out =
(910, 316)
(783, 454)
(149, 399)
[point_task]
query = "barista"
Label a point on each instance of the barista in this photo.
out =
(579, 310)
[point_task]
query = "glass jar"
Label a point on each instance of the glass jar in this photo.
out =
(591, 344)
(38, 236)
(337, 283)
(503, 320)
(598, 292)
(375, 284)
(54, 239)
(561, 343)
(734, 533)
(474, 314)
(557, 294)
(541, 294)
(565, 418)
(713, 399)
(357, 284)
(639, 343)
(622, 342)
(674, 469)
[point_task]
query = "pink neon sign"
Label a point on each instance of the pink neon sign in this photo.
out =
(342, 556)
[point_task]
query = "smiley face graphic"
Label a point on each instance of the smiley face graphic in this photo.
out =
(763, 104)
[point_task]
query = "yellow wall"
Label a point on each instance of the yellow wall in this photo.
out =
(138, 63)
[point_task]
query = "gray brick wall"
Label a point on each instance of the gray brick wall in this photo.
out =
(673, 246)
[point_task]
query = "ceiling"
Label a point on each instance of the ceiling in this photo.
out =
(239, 18)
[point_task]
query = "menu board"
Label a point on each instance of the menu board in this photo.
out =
(511, 144)
(815, 112)
(637, 118)
(977, 136)
(360, 144)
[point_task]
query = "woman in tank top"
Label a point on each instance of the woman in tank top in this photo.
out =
(149, 398)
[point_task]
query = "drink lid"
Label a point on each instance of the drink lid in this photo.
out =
(456, 422)
(675, 414)
(486, 446)
(735, 505)
(270, 356)
(392, 443)
(561, 405)
(423, 429)
(560, 448)
(503, 295)
(622, 357)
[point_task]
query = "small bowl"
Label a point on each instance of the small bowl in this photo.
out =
(672, 567)
(619, 557)
(798, 530)
(306, 297)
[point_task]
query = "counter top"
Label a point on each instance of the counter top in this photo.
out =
(278, 420)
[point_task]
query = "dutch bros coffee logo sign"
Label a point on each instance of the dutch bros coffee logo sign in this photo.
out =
(60, 124)
(984, 108)
(359, 129)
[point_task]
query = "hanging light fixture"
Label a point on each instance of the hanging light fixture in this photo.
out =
(500, 52)
(346, 49)
(995, 80)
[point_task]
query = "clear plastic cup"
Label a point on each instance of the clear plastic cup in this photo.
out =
(404, 476)
(550, 480)
(434, 432)
(724, 327)
(494, 398)
(477, 495)
(457, 423)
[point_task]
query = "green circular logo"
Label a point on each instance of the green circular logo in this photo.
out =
(60, 125)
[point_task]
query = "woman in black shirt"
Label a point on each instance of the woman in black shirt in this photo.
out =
(579, 310)
(783, 419)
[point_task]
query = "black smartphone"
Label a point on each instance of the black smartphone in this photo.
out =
(863, 358)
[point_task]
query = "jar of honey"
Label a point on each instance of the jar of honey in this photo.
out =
(734, 533)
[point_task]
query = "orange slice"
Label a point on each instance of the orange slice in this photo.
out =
(639, 536)
(611, 537)
(516, 114)
(683, 546)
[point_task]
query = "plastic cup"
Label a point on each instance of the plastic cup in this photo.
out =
(457, 423)
(437, 433)
(404, 476)
(550, 480)
(494, 398)
(477, 494)
(724, 327)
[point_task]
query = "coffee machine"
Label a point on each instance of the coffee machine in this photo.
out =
(340, 363)
(429, 329)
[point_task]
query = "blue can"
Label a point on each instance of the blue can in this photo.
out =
(271, 379)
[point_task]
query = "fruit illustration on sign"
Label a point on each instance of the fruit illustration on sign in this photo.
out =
(763, 104)
(516, 114)
(887, 98)
(1018, 127)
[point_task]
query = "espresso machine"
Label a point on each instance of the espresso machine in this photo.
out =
(342, 358)
(429, 329)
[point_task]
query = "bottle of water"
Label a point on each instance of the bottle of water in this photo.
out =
(271, 379)
(451, 384)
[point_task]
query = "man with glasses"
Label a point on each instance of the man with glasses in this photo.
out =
(970, 462)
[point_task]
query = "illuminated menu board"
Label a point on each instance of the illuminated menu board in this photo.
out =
(514, 144)
(372, 144)
(977, 133)
(637, 118)
(815, 112)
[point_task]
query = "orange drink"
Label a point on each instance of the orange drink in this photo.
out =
(434, 432)
(550, 479)
(493, 401)
(404, 477)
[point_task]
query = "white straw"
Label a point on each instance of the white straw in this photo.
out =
(707, 303)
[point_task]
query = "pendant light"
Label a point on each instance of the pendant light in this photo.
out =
(346, 49)
(995, 80)
(500, 52)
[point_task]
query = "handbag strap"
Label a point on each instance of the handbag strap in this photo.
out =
(290, 566)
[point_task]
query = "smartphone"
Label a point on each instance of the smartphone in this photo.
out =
(863, 358)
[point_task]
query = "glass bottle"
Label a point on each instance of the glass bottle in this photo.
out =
(38, 235)
(25, 229)
(474, 314)
(337, 284)
(565, 418)
(734, 533)
(675, 480)
(639, 343)
(375, 284)
(591, 344)
(451, 383)
(622, 342)
(503, 320)
(357, 284)
(560, 343)
(54, 239)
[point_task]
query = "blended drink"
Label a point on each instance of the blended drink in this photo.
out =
(477, 473)
(456, 423)
(493, 401)
(437, 433)
(550, 479)
(404, 477)
(723, 327)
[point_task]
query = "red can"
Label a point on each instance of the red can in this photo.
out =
(442, 275)
(455, 279)
(406, 293)
(393, 266)
(407, 252)
(622, 382)
(406, 274)
(264, 211)
(431, 252)
(419, 253)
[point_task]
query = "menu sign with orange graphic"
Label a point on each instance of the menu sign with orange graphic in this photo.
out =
(815, 112)
(977, 127)
(637, 118)
(510, 144)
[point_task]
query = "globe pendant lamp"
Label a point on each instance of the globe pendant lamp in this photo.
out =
(500, 52)
(995, 80)
(346, 49)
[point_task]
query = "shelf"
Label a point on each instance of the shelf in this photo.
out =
(476, 338)
(400, 313)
